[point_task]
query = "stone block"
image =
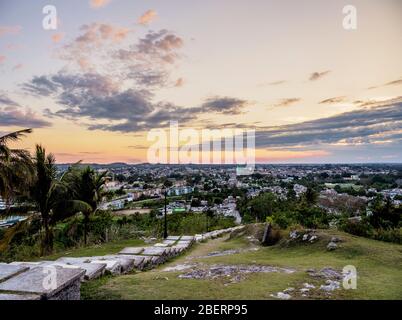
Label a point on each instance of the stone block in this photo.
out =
(50, 282)
(132, 250)
(8, 271)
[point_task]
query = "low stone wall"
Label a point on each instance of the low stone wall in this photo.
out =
(61, 279)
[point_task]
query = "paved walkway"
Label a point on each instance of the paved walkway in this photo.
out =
(60, 279)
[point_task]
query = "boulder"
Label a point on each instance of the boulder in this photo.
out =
(332, 246)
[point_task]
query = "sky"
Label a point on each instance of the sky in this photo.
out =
(113, 70)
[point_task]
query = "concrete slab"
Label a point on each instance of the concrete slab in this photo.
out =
(155, 251)
(92, 270)
(126, 262)
(8, 271)
(132, 250)
(161, 245)
(169, 242)
(174, 238)
(187, 238)
(113, 266)
(49, 282)
(137, 259)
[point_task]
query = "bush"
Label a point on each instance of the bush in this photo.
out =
(391, 235)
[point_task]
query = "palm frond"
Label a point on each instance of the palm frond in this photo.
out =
(14, 136)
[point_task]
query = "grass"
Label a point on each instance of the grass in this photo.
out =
(379, 267)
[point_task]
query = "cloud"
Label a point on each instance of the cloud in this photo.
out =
(98, 3)
(8, 30)
(147, 17)
(57, 37)
(147, 77)
(224, 105)
(276, 83)
(332, 100)
(2, 59)
(367, 125)
(390, 83)
(155, 47)
(287, 102)
(13, 116)
(18, 66)
(89, 43)
(6, 101)
(179, 82)
(110, 107)
(318, 75)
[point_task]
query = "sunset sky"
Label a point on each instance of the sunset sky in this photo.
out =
(115, 69)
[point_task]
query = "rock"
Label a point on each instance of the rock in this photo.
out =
(305, 237)
(287, 290)
(326, 273)
(336, 239)
(313, 238)
(304, 290)
(332, 246)
(293, 235)
(308, 286)
(331, 285)
(282, 296)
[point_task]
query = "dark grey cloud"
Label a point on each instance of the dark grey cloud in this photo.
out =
(365, 125)
(318, 75)
(224, 105)
(95, 97)
(14, 117)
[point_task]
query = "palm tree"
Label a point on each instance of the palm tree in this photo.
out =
(87, 187)
(16, 168)
(52, 196)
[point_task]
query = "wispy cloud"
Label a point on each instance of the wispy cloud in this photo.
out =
(332, 100)
(287, 102)
(179, 82)
(318, 75)
(98, 3)
(57, 37)
(276, 83)
(147, 17)
(390, 83)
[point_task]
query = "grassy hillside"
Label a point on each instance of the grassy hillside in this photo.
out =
(379, 267)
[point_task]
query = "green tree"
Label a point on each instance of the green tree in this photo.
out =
(86, 186)
(16, 168)
(51, 196)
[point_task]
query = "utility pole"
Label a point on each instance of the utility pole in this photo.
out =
(165, 234)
